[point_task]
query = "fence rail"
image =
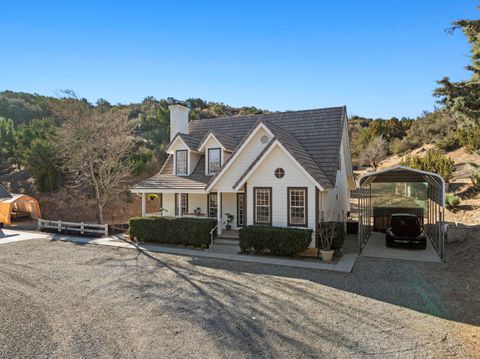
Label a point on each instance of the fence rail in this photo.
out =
(82, 228)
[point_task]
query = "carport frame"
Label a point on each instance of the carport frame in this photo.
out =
(434, 227)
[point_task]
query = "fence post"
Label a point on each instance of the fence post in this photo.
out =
(39, 223)
(59, 226)
(82, 228)
(106, 230)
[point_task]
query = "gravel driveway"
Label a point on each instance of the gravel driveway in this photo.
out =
(83, 301)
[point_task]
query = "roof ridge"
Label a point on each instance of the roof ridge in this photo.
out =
(267, 113)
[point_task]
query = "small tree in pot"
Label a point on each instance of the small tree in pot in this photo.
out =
(228, 221)
(326, 234)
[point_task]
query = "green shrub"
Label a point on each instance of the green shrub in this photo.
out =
(277, 240)
(339, 237)
(171, 230)
(452, 201)
(449, 143)
(433, 161)
(475, 178)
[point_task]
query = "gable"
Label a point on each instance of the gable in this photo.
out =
(241, 161)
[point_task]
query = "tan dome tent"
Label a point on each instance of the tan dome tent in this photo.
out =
(17, 206)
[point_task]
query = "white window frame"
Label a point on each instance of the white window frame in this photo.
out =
(219, 159)
(256, 205)
(186, 163)
(290, 190)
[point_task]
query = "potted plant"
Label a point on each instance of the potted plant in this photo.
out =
(152, 196)
(163, 210)
(228, 221)
(326, 234)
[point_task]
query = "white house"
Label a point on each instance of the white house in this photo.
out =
(280, 169)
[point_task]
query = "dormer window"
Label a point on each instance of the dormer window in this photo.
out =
(181, 162)
(214, 160)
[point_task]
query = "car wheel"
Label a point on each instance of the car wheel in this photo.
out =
(388, 242)
(423, 245)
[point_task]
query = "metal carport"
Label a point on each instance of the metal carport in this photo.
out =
(434, 219)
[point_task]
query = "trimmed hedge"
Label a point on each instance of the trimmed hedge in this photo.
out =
(339, 237)
(275, 240)
(171, 230)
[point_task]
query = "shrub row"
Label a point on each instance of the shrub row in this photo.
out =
(274, 240)
(171, 230)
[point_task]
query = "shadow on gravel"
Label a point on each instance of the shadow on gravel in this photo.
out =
(420, 286)
(229, 310)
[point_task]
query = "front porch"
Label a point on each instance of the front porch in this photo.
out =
(220, 206)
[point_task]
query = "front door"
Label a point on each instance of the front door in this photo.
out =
(240, 209)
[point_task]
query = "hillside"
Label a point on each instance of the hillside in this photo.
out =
(468, 212)
(28, 160)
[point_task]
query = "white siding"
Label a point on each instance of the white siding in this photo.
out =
(241, 163)
(330, 205)
(169, 203)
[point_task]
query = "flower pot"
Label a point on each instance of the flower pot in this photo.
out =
(229, 227)
(327, 255)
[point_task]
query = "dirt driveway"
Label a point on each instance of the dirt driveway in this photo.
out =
(82, 301)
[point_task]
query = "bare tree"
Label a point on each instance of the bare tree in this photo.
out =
(95, 146)
(374, 153)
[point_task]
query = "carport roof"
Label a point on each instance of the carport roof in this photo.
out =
(399, 174)
(406, 174)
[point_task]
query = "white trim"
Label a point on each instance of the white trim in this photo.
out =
(347, 153)
(168, 190)
(207, 159)
(237, 153)
(173, 143)
(277, 143)
(202, 144)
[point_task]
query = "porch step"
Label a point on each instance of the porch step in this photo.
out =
(226, 240)
(229, 234)
(225, 245)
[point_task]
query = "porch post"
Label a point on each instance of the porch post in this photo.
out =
(219, 213)
(144, 204)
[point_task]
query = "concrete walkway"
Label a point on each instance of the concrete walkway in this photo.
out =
(345, 264)
(376, 247)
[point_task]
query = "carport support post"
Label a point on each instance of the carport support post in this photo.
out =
(144, 204)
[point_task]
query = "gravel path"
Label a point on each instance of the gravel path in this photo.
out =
(67, 300)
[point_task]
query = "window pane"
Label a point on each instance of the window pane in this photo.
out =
(181, 162)
(213, 160)
(262, 204)
(297, 206)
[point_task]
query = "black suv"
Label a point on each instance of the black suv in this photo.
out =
(405, 229)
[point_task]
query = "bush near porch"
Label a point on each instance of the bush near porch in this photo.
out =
(274, 240)
(171, 230)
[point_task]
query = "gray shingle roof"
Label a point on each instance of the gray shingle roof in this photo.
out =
(227, 141)
(165, 179)
(313, 137)
(4, 193)
(191, 141)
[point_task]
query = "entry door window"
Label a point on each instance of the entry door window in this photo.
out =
(240, 208)
(212, 205)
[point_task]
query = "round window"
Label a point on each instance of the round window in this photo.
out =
(264, 139)
(279, 173)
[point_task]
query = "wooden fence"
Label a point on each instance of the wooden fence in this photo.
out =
(82, 228)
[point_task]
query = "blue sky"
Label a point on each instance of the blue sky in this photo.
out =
(380, 58)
